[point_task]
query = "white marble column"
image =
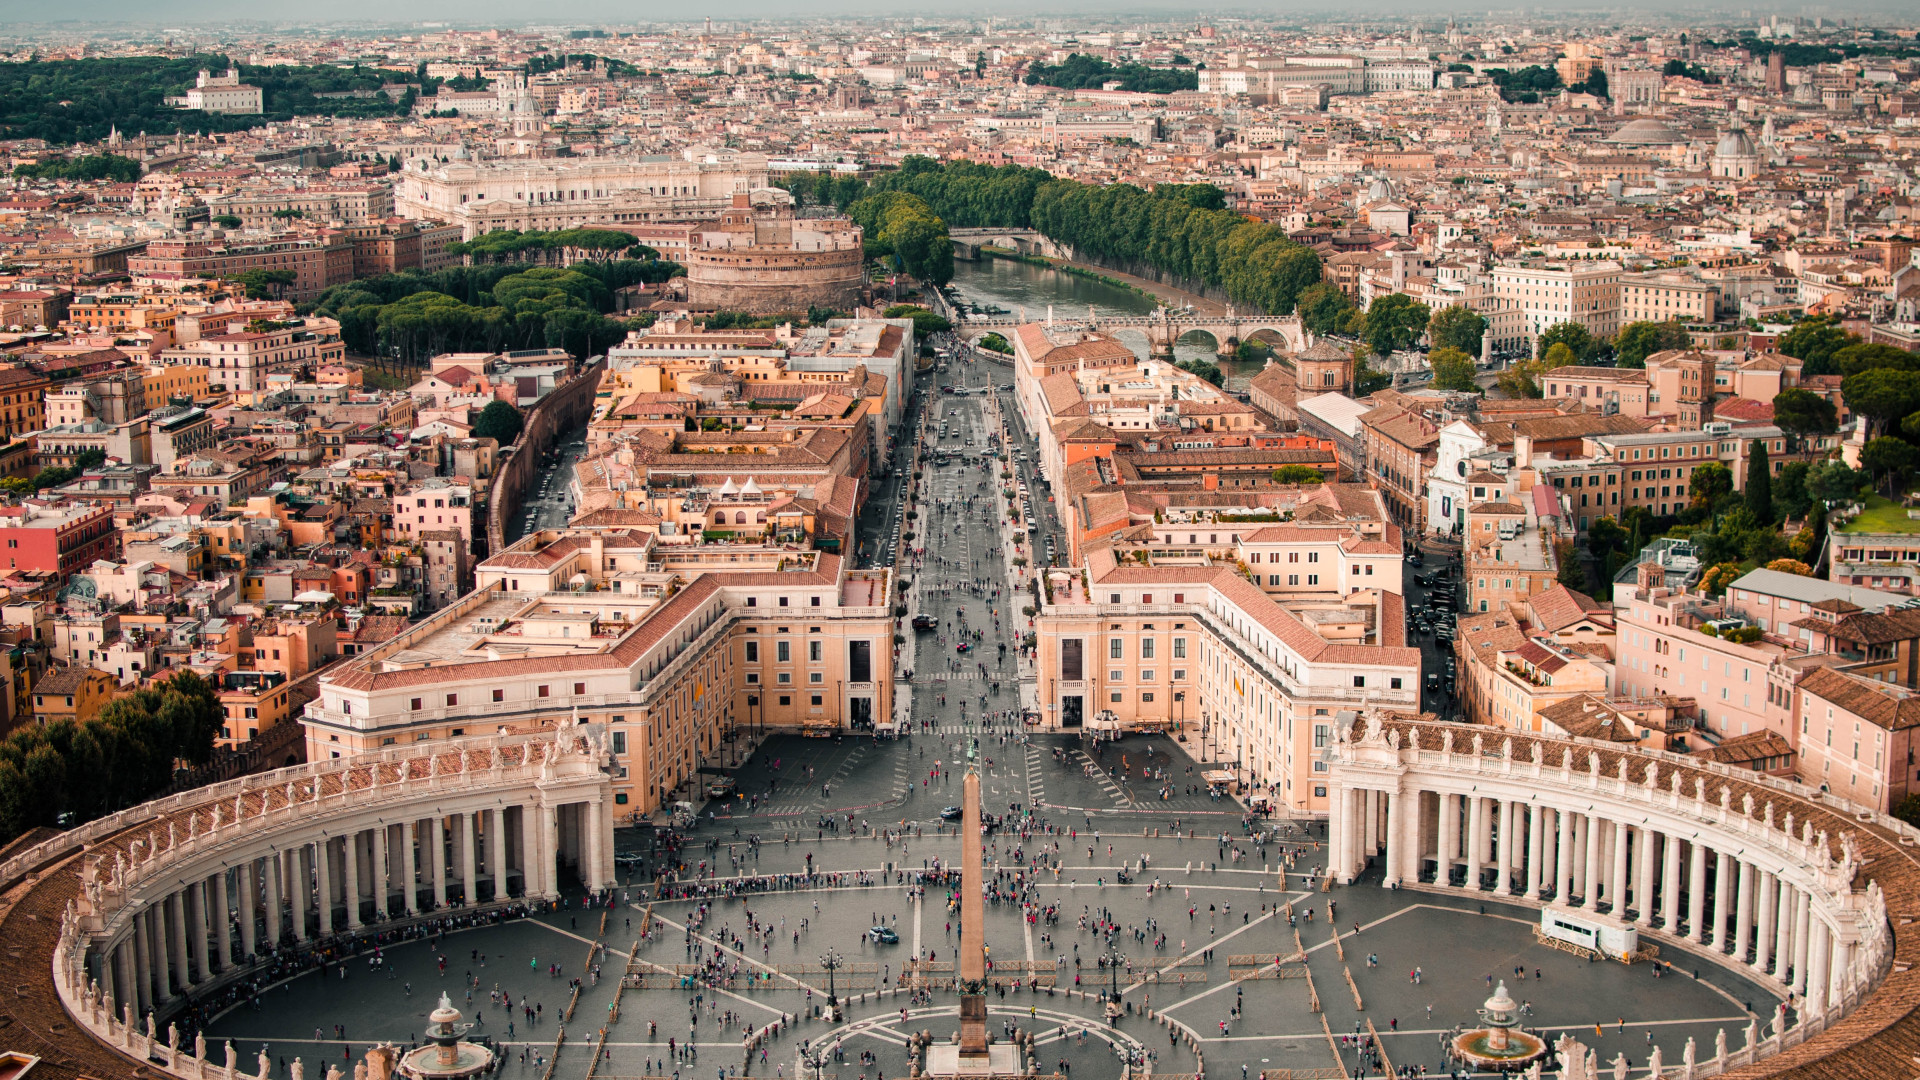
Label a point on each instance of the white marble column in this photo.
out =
(323, 874)
(126, 976)
(1819, 957)
(1617, 873)
(222, 925)
(1782, 900)
(1504, 858)
(1596, 847)
(299, 888)
(1396, 837)
(271, 870)
(1743, 914)
(1670, 884)
(1449, 838)
(1697, 894)
(1722, 900)
(382, 872)
(352, 846)
(596, 850)
(1536, 847)
(532, 831)
(1563, 860)
(177, 940)
(437, 857)
(1643, 876)
(1837, 974)
(194, 900)
(1765, 890)
(1802, 940)
(410, 865)
(244, 874)
(550, 847)
(142, 963)
(469, 856)
(1476, 829)
(496, 819)
(1369, 826)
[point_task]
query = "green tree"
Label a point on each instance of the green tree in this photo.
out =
(1790, 489)
(1324, 309)
(1574, 336)
(1803, 412)
(994, 342)
(498, 421)
(1833, 483)
(123, 170)
(1814, 341)
(1298, 474)
(1394, 322)
(227, 221)
(1759, 487)
(1206, 369)
(1457, 326)
(1638, 340)
(264, 284)
(1709, 484)
(1882, 395)
(1867, 356)
(924, 322)
(1886, 458)
(1453, 369)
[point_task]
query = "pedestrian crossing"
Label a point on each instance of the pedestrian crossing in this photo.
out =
(962, 676)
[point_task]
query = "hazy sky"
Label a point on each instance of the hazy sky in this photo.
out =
(235, 14)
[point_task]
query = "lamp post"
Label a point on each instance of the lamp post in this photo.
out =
(832, 961)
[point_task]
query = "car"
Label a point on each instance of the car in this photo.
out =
(951, 813)
(1433, 682)
(720, 788)
(925, 622)
(963, 647)
(883, 935)
(629, 860)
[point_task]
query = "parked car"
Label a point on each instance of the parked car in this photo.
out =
(951, 813)
(883, 935)
(720, 788)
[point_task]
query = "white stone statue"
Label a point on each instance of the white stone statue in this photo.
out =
(1720, 1048)
(232, 1058)
(1620, 1066)
(1479, 745)
(1393, 738)
(1654, 1068)
(1689, 1057)
(1653, 775)
(151, 1030)
(173, 1036)
(1753, 1032)
(265, 1066)
(200, 1046)
(333, 1072)
(299, 1069)
(360, 1069)
(1506, 748)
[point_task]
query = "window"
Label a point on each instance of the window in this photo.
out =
(1360, 681)
(541, 691)
(619, 742)
(1320, 732)
(1114, 697)
(1072, 666)
(1146, 648)
(783, 601)
(813, 652)
(1393, 683)
(579, 688)
(816, 699)
(1179, 674)
(1147, 697)
(783, 652)
(415, 704)
(1179, 648)
(786, 699)
(1116, 649)
(816, 602)
(815, 677)
(753, 652)
(453, 699)
(499, 695)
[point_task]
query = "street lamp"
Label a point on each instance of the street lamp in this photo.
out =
(832, 962)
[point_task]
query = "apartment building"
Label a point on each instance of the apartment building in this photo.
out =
(1551, 293)
(1868, 552)
(316, 263)
(1856, 738)
(1667, 297)
(56, 538)
(318, 204)
(668, 651)
(1400, 447)
(1609, 389)
(243, 361)
(1184, 640)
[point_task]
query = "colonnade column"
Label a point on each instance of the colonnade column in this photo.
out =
(382, 873)
(194, 898)
(1536, 847)
(1802, 940)
(1722, 899)
(1476, 828)
(1765, 891)
(323, 875)
(272, 869)
(1590, 886)
(299, 886)
(595, 852)
(142, 964)
(496, 850)
(1369, 821)
(550, 847)
(1617, 877)
(1396, 837)
(177, 939)
(126, 976)
(1503, 859)
(1819, 957)
(1670, 883)
(1563, 860)
(222, 932)
(1697, 894)
(410, 865)
(351, 845)
(1643, 876)
(437, 855)
(1449, 839)
(469, 852)
(1782, 928)
(243, 874)
(1743, 912)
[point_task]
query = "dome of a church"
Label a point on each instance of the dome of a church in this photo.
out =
(1734, 143)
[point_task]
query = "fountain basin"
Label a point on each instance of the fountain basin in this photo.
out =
(1481, 1047)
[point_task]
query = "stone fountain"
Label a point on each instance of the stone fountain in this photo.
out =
(446, 1056)
(1496, 1045)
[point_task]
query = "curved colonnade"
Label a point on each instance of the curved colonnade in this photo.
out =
(174, 899)
(1756, 874)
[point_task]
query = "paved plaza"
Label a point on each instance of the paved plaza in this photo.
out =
(1215, 924)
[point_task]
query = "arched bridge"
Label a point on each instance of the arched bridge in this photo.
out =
(968, 242)
(1285, 333)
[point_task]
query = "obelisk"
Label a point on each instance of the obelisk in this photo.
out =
(973, 920)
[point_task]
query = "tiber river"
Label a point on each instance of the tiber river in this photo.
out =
(1011, 285)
